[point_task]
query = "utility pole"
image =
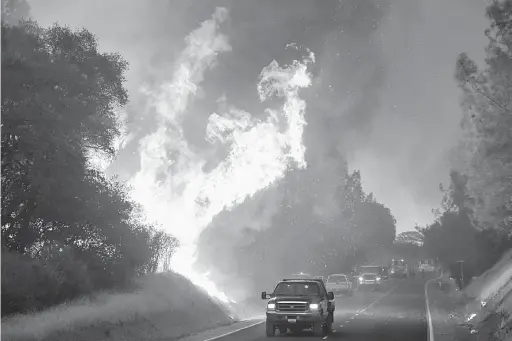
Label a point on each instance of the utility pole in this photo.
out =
(462, 272)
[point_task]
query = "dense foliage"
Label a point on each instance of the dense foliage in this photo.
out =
(66, 229)
(299, 236)
(488, 124)
(474, 223)
(453, 237)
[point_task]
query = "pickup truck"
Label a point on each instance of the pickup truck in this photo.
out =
(298, 304)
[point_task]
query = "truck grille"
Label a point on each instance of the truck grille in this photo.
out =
(292, 306)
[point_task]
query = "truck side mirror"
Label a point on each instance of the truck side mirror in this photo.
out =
(330, 295)
(264, 295)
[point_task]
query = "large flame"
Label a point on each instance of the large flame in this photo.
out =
(172, 185)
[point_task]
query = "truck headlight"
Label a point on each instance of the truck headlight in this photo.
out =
(360, 279)
(378, 279)
(313, 306)
(271, 306)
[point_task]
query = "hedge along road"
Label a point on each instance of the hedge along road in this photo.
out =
(397, 313)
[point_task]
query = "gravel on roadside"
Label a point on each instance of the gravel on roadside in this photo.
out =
(447, 313)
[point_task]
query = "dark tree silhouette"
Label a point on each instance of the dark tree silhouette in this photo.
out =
(66, 228)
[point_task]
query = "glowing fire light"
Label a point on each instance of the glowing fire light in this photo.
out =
(172, 185)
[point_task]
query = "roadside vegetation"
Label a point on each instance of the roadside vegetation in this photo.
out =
(474, 223)
(167, 306)
(300, 240)
(67, 229)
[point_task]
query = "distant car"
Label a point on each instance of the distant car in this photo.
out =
(339, 284)
(368, 281)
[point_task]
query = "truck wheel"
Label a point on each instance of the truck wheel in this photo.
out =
(328, 324)
(282, 330)
(271, 330)
(318, 329)
(327, 328)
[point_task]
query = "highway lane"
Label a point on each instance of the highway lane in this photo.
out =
(399, 316)
(397, 313)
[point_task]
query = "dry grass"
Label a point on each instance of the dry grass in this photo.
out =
(495, 288)
(167, 306)
(488, 284)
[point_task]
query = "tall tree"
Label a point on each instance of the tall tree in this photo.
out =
(59, 96)
(66, 228)
(300, 238)
(488, 123)
(453, 236)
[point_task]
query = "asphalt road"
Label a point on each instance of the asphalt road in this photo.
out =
(396, 313)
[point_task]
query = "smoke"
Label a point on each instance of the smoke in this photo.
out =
(342, 103)
(227, 185)
(375, 96)
(15, 10)
(172, 184)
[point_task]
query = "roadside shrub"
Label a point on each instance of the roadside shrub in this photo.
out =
(27, 284)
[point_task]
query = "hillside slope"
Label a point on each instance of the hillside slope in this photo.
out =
(494, 290)
(168, 306)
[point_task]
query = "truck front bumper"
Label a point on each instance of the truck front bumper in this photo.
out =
(292, 320)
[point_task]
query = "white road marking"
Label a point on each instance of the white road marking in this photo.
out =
(341, 326)
(325, 337)
(334, 331)
(429, 317)
(377, 300)
(234, 331)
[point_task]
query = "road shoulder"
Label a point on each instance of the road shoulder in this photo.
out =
(217, 333)
(445, 311)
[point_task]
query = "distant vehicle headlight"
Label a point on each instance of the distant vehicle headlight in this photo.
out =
(271, 306)
(313, 306)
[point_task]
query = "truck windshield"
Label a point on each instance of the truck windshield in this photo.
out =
(369, 276)
(371, 269)
(296, 289)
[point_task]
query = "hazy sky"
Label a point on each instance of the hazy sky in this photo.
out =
(383, 92)
(418, 120)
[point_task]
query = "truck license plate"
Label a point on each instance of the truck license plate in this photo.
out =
(292, 320)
